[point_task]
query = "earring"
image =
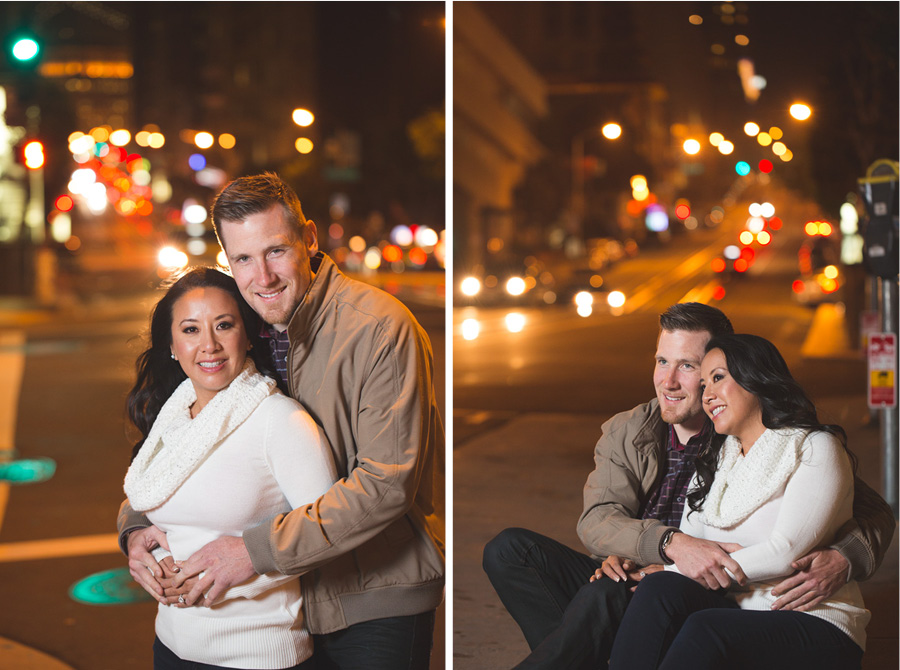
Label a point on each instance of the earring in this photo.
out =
(173, 357)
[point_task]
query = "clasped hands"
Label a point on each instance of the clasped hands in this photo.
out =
(818, 575)
(200, 580)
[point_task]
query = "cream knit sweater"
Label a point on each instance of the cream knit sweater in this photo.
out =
(801, 513)
(276, 459)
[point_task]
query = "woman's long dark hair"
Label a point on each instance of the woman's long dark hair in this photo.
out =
(759, 368)
(158, 374)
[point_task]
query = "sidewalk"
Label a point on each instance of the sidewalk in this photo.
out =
(529, 472)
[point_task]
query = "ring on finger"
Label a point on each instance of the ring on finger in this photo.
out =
(181, 599)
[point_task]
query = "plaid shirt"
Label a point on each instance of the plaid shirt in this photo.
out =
(279, 344)
(667, 502)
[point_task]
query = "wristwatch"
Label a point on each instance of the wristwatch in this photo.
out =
(664, 542)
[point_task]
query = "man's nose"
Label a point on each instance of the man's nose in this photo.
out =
(671, 378)
(265, 276)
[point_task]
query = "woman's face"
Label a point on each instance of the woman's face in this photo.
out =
(208, 340)
(732, 408)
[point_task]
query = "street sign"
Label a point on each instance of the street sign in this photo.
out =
(882, 370)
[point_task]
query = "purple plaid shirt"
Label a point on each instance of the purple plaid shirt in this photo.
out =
(667, 502)
(279, 344)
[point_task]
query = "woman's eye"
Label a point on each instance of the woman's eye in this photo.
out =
(225, 325)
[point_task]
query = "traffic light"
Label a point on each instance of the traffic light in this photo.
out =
(34, 155)
(25, 49)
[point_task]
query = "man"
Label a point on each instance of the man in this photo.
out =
(371, 549)
(568, 604)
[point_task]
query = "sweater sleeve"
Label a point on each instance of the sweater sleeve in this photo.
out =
(813, 496)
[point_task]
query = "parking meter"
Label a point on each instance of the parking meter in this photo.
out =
(879, 191)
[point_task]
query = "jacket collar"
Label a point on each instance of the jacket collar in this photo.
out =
(318, 295)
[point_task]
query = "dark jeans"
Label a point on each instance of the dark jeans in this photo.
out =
(395, 643)
(673, 623)
(568, 621)
(165, 659)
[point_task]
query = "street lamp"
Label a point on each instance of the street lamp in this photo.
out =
(303, 117)
(610, 131)
(800, 111)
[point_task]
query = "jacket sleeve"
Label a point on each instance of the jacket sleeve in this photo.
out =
(395, 433)
(613, 497)
(128, 521)
(864, 539)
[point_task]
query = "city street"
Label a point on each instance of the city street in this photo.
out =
(528, 407)
(76, 368)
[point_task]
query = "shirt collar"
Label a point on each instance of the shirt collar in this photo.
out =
(698, 439)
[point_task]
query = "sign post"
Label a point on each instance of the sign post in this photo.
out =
(879, 189)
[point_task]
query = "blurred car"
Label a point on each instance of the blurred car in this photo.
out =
(505, 282)
(583, 280)
(818, 286)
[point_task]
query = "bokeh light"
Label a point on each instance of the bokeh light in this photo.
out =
(303, 117)
(470, 286)
(611, 131)
(204, 140)
(303, 145)
(800, 111)
(515, 322)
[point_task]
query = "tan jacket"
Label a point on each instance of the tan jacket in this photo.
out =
(373, 545)
(363, 368)
(626, 470)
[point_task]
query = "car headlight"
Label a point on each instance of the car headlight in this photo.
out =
(516, 286)
(470, 286)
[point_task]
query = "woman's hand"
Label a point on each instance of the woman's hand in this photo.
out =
(619, 569)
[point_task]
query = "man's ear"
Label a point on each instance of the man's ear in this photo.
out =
(311, 238)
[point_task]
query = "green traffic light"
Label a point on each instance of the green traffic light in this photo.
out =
(25, 49)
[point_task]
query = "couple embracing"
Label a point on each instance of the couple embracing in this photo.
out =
(725, 525)
(288, 426)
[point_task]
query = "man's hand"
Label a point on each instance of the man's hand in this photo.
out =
(143, 567)
(224, 562)
(705, 562)
(819, 575)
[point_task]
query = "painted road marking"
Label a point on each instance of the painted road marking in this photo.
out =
(12, 366)
(86, 545)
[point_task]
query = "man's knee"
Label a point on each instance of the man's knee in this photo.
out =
(600, 599)
(510, 546)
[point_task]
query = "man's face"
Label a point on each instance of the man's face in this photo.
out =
(676, 377)
(269, 259)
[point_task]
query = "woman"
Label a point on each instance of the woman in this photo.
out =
(776, 482)
(222, 450)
